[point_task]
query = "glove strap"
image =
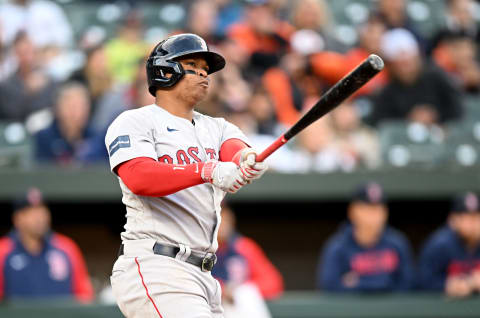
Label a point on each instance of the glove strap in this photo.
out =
(207, 171)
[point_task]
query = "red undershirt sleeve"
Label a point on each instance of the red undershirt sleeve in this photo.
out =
(147, 177)
(230, 150)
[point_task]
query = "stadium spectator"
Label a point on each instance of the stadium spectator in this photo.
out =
(357, 143)
(69, 139)
(202, 19)
(36, 262)
(235, 53)
(315, 15)
(229, 12)
(262, 112)
(230, 90)
(450, 259)
(44, 22)
(339, 141)
(417, 92)
(394, 14)
(28, 89)
(290, 85)
(459, 18)
(456, 54)
(332, 66)
(262, 34)
(137, 95)
(107, 99)
(8, 63)
(317, 152)
(244, 272)
(127, 48)
(366, 255)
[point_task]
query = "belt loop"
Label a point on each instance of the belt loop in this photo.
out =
(184, 252)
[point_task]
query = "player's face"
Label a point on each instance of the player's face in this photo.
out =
(371, 217)
(194, 88)
(406, 68)
(33, 221)
(467, 226)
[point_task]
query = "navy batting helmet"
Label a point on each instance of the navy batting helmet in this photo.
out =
(162, 60)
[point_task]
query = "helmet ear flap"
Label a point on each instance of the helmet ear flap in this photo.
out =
(157, 71)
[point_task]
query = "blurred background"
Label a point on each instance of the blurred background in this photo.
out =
(69, 67)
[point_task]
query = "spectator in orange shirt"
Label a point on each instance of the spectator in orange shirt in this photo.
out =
(262, 34)
(291, 86)
(332, 66)
(456, 53)
(459, 18)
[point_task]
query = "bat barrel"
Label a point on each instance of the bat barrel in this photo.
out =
(339, 92)
(376, 62)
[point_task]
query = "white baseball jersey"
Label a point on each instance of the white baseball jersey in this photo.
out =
(190, 216)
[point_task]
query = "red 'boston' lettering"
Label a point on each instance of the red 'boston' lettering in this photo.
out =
(193, 152)
(182, 158)
(211, 152)
(166, 159)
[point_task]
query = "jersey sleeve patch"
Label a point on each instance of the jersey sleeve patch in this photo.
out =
(119, 142)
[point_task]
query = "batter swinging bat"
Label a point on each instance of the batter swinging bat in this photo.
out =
(331, 99)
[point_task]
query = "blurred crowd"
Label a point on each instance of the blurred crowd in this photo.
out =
(66, 86)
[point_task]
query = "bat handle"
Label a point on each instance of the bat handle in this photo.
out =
(274, 146)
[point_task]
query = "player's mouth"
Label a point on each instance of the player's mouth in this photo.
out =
(204, 84)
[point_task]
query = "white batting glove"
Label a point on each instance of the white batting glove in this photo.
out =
(224, 175)
(251, 169)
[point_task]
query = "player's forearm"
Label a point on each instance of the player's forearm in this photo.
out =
(231, 150)
(147, 177)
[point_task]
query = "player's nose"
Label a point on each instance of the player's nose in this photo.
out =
(202, 73)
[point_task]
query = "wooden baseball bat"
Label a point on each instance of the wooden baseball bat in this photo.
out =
(345, 87)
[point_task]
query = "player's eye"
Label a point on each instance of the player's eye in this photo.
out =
(191, 64)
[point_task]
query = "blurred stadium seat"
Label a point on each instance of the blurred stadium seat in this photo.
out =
(347, 14)
(107, 15)
(463, 144)
(15, 145)
(471, 106)
(411, 144)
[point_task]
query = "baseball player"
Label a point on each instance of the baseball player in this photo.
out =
(174, 167)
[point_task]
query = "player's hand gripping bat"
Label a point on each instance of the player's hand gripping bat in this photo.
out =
(331, 99)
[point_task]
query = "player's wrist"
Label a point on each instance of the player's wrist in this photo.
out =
(226, 176)
(207, 171)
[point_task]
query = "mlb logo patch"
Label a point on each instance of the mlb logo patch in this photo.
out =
(119, 142)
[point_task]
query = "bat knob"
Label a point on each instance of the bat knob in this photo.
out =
(376, 62)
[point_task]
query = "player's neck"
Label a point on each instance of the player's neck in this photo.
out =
(32, 244)
(365, 237)
(175, 107)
